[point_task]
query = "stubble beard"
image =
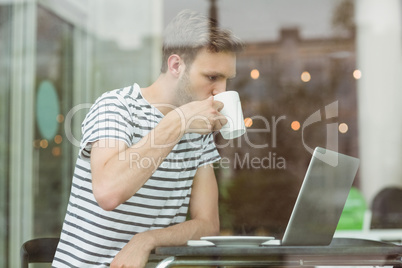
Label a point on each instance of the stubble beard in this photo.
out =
(184, 91)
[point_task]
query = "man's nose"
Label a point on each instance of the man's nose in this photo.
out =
(221, 87)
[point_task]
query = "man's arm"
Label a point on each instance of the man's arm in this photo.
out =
(204, 222)
(116, 171)
(116, 176)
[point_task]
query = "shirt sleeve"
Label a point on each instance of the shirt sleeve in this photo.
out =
(210, 152)
(108, 118)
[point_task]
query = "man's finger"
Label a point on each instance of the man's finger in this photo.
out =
(218, 105)
(220, 122)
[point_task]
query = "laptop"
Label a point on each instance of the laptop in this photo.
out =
(318, 207)
(321, 199)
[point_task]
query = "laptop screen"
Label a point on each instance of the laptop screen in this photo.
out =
(321, 198)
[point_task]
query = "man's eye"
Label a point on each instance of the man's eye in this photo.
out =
(212, 78)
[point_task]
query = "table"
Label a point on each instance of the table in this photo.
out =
(386, 235)
(341, 252)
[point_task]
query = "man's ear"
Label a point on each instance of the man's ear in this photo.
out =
(175, 65)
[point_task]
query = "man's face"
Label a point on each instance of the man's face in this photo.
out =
(207, 76)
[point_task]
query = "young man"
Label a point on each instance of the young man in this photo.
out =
(146, 155)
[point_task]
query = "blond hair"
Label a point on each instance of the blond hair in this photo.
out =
(190, 32)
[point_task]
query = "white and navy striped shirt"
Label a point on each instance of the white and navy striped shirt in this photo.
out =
(91, 236)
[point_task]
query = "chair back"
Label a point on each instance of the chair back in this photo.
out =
(38, 250)
(387, 209)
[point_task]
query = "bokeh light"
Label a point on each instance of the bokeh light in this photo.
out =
(343, 128)
(58, 139)
(43, 144)
(60, 118)
(248, 122)
(305, 77)
(357, 74)
(295, 125)
(255, 74)
(56, 151)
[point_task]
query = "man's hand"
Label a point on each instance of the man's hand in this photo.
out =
(202, 117)
(135, 254)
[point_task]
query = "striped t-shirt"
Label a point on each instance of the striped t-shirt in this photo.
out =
(91, 236)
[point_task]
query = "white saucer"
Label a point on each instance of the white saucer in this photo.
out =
(199, 243)
(237, 241)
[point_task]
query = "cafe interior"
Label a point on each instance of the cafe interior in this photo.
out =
(313, 73)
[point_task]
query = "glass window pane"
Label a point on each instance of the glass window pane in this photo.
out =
(299, 63)
(5, 37)
(52, 151)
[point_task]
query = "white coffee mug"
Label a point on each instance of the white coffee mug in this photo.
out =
(232, 111)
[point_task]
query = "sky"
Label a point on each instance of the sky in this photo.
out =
(127, 21)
